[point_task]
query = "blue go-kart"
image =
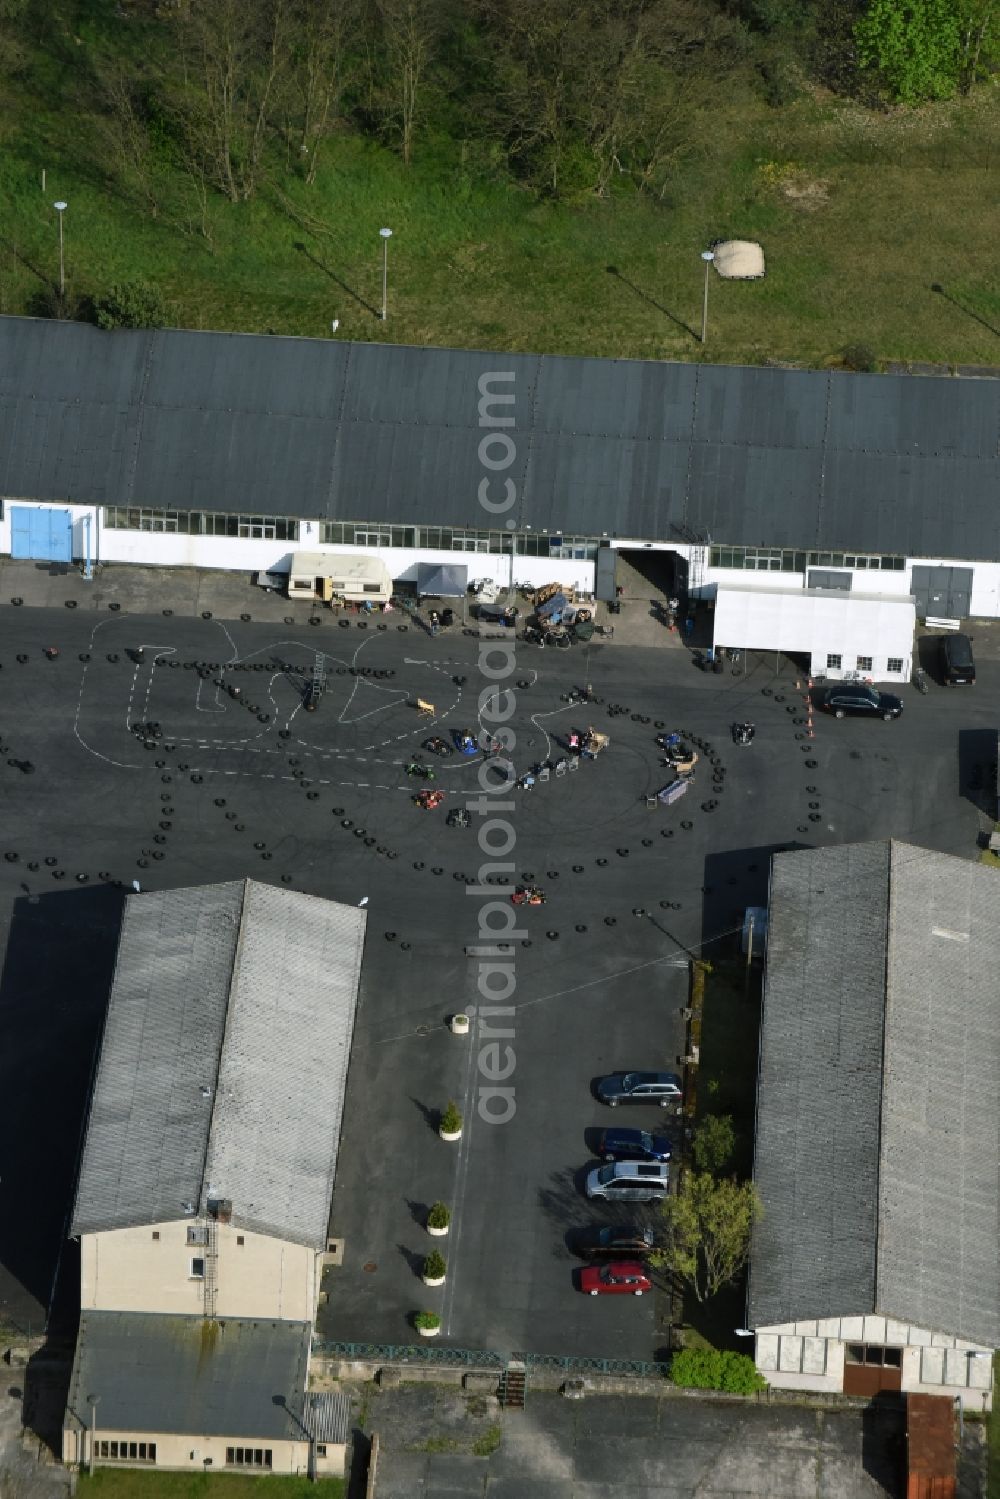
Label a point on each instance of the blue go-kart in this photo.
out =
(464, 742)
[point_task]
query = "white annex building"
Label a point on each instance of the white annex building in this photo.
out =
(839, 634)
(876, 1262)
(220, 450)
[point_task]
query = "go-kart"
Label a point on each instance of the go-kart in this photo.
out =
(438, 746)
(464, 742)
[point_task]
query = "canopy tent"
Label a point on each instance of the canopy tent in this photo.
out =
(739, 260)
(444, 580)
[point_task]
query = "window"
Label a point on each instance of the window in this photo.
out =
(127, 1452)
(240, 1240)
(864, 663)
(833, 663)
(874, 1354)
(758, 559)
(248, 1457)
(894, 663)
(197, 1271)
(321, 1449)
(197, 1233)
(156, 1233)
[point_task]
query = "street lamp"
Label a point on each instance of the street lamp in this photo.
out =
(93, 1401)
(707, 256)
(744, 1332)
(386, 236)
(60, 209)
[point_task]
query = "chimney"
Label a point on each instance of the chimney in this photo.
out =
(222, 1208)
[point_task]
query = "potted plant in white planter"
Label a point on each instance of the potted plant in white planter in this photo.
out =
(435, 1269)
(438, 1220)
(450, 1127)
(428, 1324)
(460, 1024)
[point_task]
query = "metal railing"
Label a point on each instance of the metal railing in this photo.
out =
(408, 1353)
(484, 1358)
(572, 1365)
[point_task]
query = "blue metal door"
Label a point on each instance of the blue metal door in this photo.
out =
(41, 533)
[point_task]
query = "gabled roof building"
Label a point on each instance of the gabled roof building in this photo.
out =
(206, 1175)
(876, 1264)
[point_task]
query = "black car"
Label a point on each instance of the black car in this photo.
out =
(865, 702)
(621, 1144)
(611, 1240)
(958, 665)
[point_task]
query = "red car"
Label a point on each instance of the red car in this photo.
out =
(627, 1278)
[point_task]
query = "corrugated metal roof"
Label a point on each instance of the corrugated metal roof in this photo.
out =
(168, 1374)
(321, 428)
(939, 1197)
(819, 1085)
(193, 1097)
(879, 1092)
(328, 1415)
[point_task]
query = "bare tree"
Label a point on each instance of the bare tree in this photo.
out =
(408, 36)
(234, 63)
(324, 61)
(123, 129)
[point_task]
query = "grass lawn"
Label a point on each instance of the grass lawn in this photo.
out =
(859, 215)
(136, 1483)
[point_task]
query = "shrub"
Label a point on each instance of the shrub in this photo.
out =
(711, 1369)
(451, 1119)
(439, 1215)
(434, 1265)
(714, 1142)
(860, 358)
(427, 1320)
(130, 304)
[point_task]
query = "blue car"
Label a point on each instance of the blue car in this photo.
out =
(632, 1145)
(465, 742)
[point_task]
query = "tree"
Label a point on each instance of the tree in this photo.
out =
(705, 1231)
(323, 64)
(408, 43)
(716, 1369)
(233, 66)
(130, 304)
(916, 45)
(714, 1142)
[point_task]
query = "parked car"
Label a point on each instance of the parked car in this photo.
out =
(632, 1145)
(958, 665)
(867, 702)
(663, 1088)
(609, 1240)
(630, 1181)
(627, 1278)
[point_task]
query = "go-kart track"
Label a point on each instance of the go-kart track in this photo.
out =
(174, 751)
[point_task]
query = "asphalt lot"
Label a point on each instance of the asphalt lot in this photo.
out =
(585, 1001)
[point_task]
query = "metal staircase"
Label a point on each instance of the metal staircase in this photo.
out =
(697, 563)
(210, 1287)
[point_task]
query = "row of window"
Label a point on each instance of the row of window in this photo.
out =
(201, 523)
(248, 1457)
(783, 560)
(863, 663)
(127, 1452)
(456, 539)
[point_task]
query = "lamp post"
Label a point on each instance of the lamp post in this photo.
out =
(386, 236)
(60, 209)
(744, 1332)
(707, 256)
(93, 1401)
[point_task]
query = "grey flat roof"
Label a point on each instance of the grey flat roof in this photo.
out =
(878, 1109)
(325, 429)
(224, 1061)
(169, 1374)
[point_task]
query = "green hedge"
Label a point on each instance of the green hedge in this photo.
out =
(708, 1369)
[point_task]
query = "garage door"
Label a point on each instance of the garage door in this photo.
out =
(942, 592)
(819, 578)
(604, 583)
(41, 533)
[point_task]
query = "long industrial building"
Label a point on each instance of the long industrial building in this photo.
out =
(235, 451)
